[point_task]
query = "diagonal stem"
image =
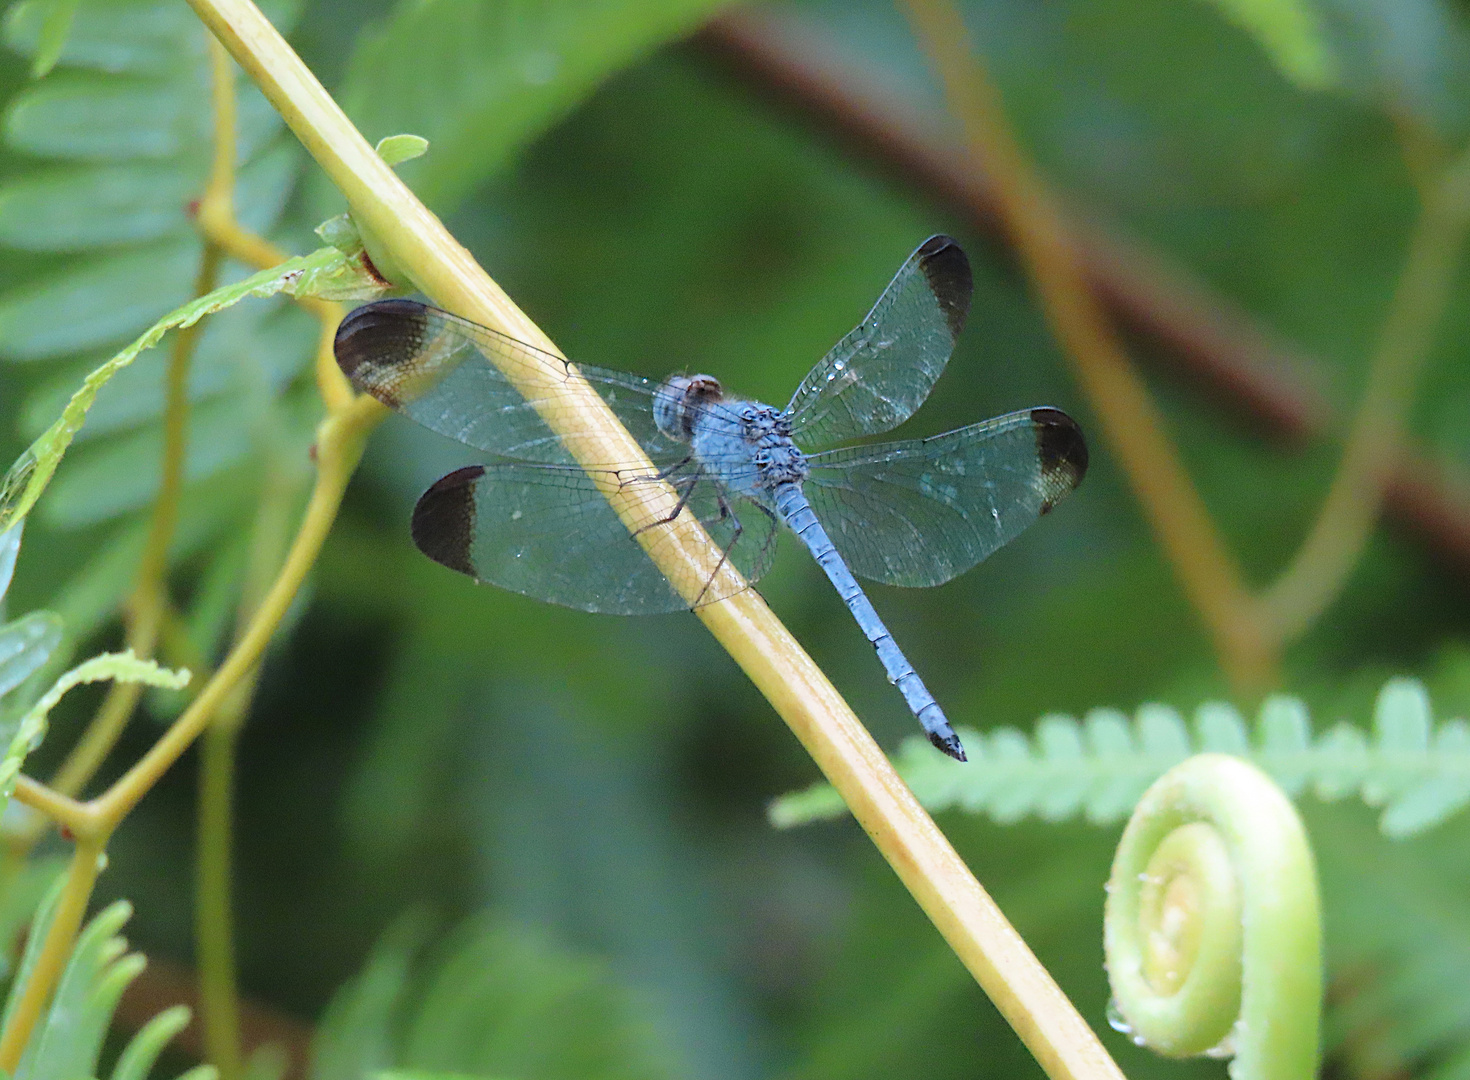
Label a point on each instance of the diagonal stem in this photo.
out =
(801, 694)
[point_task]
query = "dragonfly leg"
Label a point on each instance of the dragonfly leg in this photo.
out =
(663, 474)
(688, 484)
(727, 513)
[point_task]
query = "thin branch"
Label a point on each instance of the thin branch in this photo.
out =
(1130, 422)
(213, 906)
(60, 808)
(1205, 335)
(1322, 565)
(340, 440)
(339, 446)
(1209, 337)
(150, 595)
(918, 852)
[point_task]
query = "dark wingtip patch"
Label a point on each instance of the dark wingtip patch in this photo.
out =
(947, 269)
(949, 743)
(377, 332)
(443, 524)
(1062, 453)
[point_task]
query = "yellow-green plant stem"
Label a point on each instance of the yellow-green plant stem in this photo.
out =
(150, 594)
(213, 905)
(226, 695)
(1350, 511)
(217, 222)
(60, 808)
(903, 832)
(340, 439)
(81, 875)
(1213, 926)
(1130, 421)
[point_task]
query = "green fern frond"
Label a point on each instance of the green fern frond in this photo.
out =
(68, 1042)
(110, 150)
(31, 728)
(1417, 771)
(494, 999)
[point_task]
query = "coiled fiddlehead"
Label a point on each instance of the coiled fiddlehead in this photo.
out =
(1213, 932)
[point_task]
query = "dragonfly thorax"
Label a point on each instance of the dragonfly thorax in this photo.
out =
(747, 447)
(680, 400)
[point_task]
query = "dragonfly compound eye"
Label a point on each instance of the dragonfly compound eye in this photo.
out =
(678, 400)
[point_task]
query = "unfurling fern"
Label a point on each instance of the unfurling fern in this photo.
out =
(1419, 772)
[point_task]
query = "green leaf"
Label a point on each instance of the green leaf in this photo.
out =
(355, 1036)
(1291, 33)
(24, 884)
(69, 1039)
(137, 1059)
(102, 482)
(82, 207)
(324, 272)
(119, 667)
(9, 549)
(139, 37)
(268, 1061)
(99, 118)
(480, 80)
(1419, 773)
(96, 303)
(45, 913)
(54, 31)
(25, 645)
(395, 149)
(85, 602)
(240, 349)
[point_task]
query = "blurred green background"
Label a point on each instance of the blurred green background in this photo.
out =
(419, 743)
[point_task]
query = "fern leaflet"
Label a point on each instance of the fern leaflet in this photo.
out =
(1417, 771)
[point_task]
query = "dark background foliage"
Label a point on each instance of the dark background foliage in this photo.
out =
(420, 743)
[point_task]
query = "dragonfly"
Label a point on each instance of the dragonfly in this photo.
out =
(532, 520)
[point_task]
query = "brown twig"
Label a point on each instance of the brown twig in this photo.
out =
(1212, 338)
(1131, 425)
(1209, 338)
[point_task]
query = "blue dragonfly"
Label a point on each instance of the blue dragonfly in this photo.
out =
(914, 513)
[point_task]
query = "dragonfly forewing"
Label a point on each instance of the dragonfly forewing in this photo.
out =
(876, 376)
(441, 371)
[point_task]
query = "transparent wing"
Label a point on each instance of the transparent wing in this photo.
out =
(436, 368)
(547, 531)
(875, 377)
(921, 512)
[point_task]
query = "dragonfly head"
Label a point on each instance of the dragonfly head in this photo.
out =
(678, 402)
